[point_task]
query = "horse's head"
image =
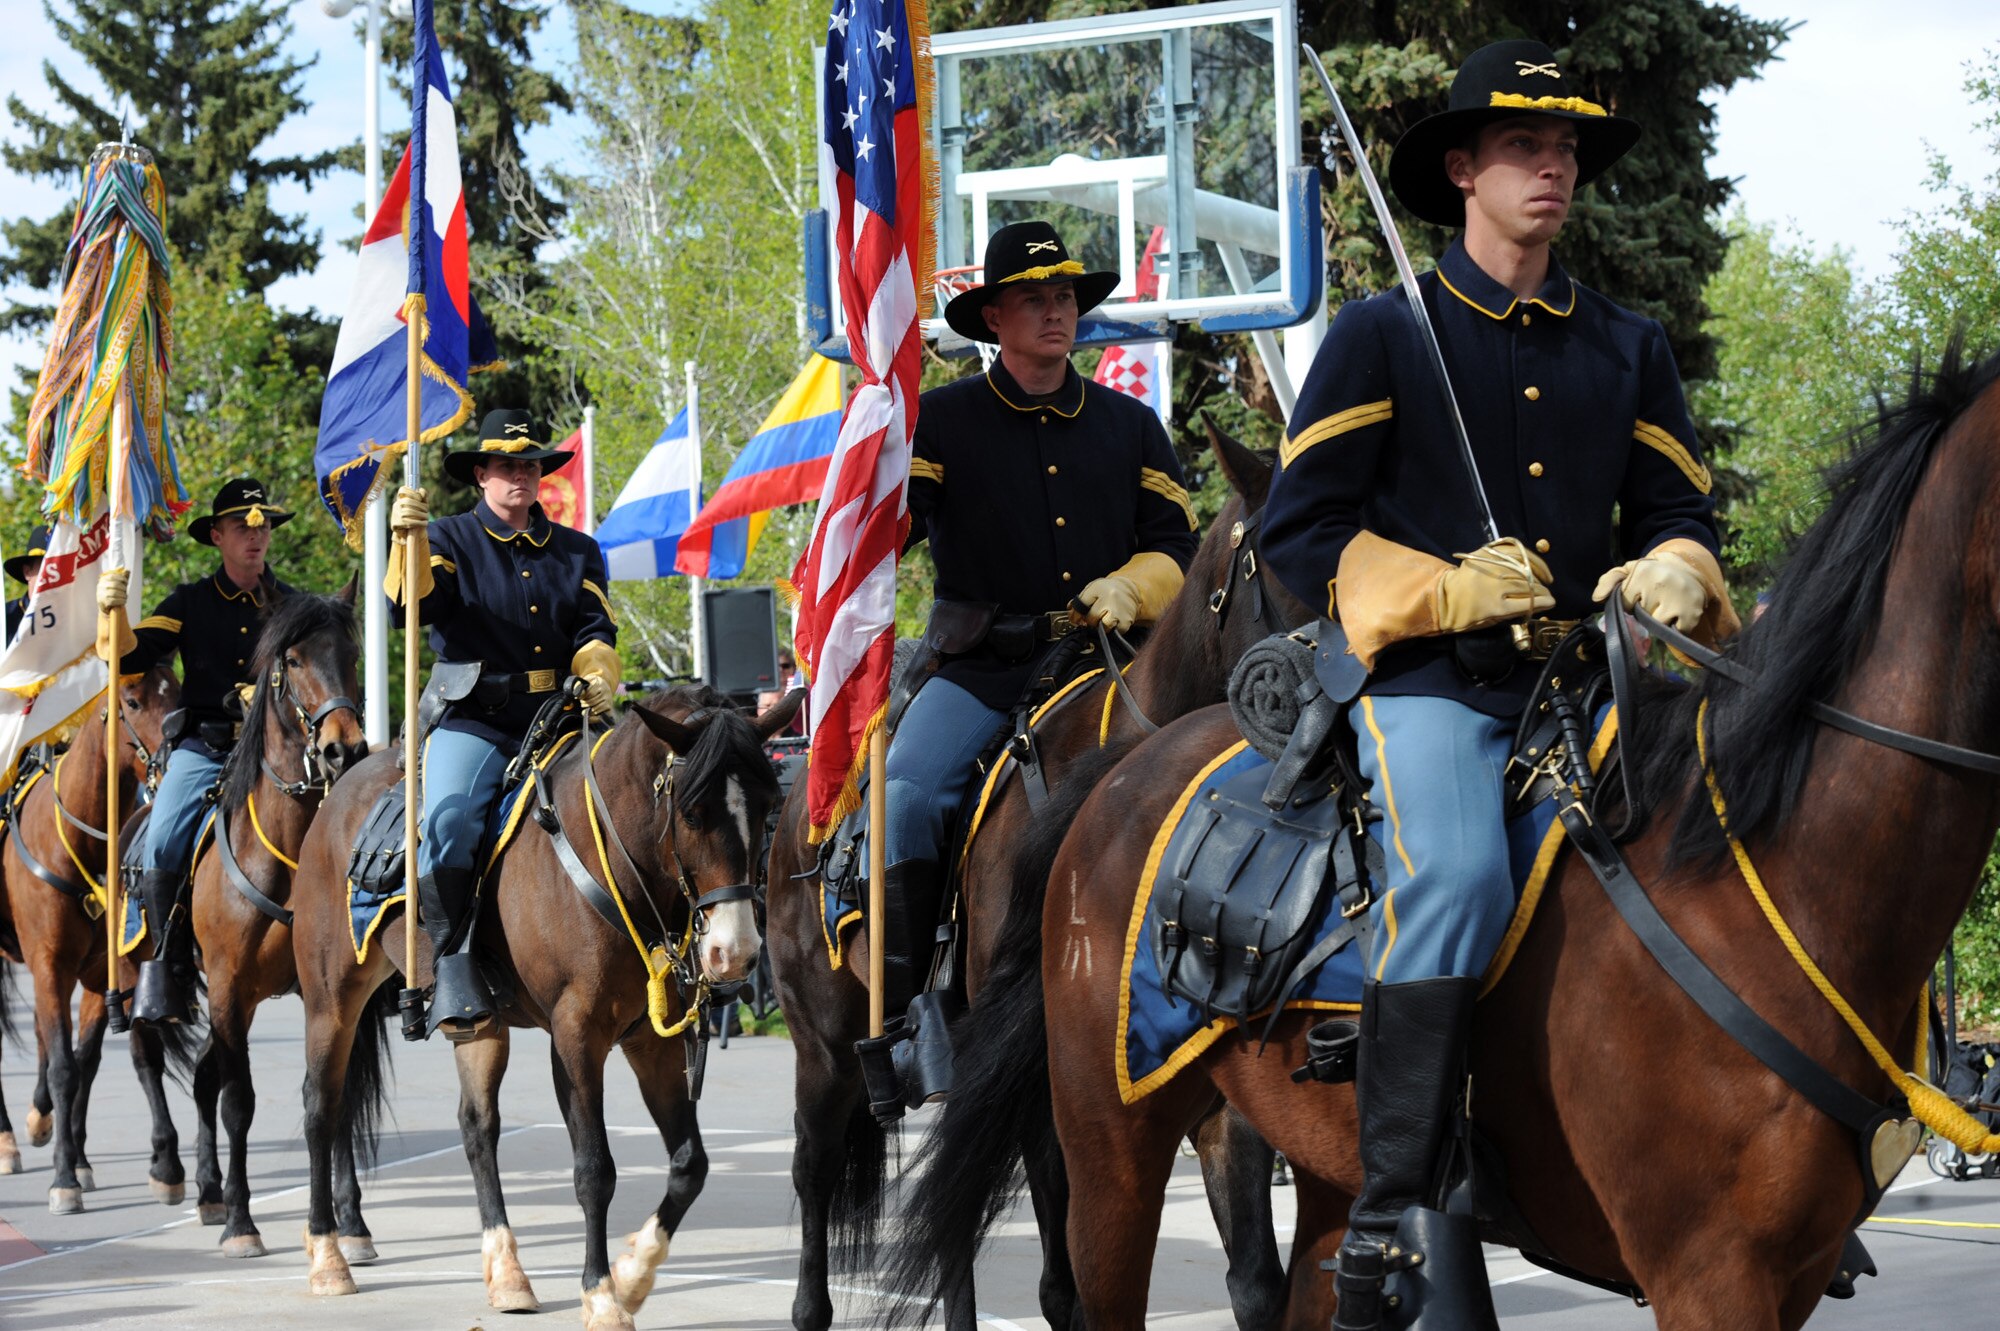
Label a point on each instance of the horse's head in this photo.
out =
(148, 698)
(716, 788)
(304, 670)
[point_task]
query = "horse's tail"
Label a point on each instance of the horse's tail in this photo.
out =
(999, 1113)
(854, 1214)
(181, 1042)
(368, 1074)
(8, 993)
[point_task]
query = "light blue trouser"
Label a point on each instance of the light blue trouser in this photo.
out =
(932, 760)
(1435, 769)
(461, 778)
(178, 808)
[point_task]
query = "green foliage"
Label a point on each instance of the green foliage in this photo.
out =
(1978, 945)
(210, 87)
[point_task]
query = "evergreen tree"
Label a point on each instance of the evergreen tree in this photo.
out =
(210, 86)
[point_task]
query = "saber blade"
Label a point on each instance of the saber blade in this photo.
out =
(1427, 333)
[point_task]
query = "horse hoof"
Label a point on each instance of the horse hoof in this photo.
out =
(507, 1287)
(632, 1274)
(168, 1194)
(517, 1300)
(358, 1249)
(65, 1201)
(10, 1154)
(252, 1245)
(328, 1275)
(602, 1312)
(41, 1127)
(86, 1178)
(213, 1213)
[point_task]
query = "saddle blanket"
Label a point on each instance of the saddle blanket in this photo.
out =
(1159, 1034)
(136, 923)
(366, 906)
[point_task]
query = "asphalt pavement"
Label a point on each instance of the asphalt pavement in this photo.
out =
(128, 1261)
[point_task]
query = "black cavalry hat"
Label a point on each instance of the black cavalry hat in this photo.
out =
(505, 433)
(38, 545)
(1496, 82)
(242, 496)
(1024, 252)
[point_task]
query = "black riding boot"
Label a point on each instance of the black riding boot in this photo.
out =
(166, 982)
(1411, 1064)
(912, 892)
(460, 1002)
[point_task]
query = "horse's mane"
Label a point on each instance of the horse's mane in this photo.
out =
(1821, 616)
(288, 620)
(726, 745)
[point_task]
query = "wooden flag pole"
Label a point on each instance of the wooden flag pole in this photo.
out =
(410, 1000)
(878, 844)
(107, 637)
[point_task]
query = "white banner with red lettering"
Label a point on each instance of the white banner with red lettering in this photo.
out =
(50, 674)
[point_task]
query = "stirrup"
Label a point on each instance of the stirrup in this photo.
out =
(460, 1002)
(159, 998)
(923, 1063)
(1438, 1281)
(880, 1073)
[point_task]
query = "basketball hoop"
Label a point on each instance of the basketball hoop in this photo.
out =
(953, 282)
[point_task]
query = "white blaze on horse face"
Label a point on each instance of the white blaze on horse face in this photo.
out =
(730, 947)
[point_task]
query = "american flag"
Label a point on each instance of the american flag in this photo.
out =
(877, 83)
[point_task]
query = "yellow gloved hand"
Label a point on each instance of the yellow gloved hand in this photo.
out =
(1499, 581)
(1663, 585)
(1134, 593)
(409, 524)
(596, 664)
(410, 512)
(111, 587)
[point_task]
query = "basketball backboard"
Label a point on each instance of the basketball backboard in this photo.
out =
(1181, 123)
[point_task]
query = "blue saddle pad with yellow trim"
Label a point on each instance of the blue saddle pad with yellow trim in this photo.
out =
(1159, 1034)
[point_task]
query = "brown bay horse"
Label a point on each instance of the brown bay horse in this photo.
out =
(685, 791)
(301, 730)
(840, 1158)
(1645, 1146)
(53, 860)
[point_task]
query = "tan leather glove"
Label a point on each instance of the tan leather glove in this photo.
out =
(409, 524)
(410, 512)
(1134, 593)
(596, 664)
(111, 588)
(1499, 581)
(1662, 584)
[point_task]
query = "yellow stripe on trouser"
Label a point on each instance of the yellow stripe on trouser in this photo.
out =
(1388, 790)
(1389, 925)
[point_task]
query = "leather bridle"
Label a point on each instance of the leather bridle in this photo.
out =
(315, 778)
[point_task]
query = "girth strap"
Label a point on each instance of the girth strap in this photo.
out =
(241, 880)
(76, 892)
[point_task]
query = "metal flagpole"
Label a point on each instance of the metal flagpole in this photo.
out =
(375, 523)
(878, 891)
(410, 1000)
(589, 470)
(697, 632)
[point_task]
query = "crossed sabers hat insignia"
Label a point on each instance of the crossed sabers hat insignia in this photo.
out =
(1526, 68)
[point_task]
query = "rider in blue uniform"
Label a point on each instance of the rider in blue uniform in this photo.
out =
(1034, 487)
(212, 623)
(524, 598)
(1574, 408)
(22, 568)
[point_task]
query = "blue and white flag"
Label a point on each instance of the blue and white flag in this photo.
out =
(363, 423)
(643, 530)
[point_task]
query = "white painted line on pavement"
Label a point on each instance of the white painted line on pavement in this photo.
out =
(259, 1199)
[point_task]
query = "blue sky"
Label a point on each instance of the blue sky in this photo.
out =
(1833, 139)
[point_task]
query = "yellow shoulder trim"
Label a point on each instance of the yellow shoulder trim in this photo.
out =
(921, 470)
(1676, 452)
(1527, 103)
(439, 561)
(598, 592)
(160, 622)
(1164, 485)
(1329, 427)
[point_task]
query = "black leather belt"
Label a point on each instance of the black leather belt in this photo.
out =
(525, 681)
(1048, 626)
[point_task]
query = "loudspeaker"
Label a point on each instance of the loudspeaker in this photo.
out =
(741, 628)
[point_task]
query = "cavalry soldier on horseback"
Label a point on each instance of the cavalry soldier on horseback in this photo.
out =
(520, 600)
(1036, 488)
(213, 623)
(1573, 406)
(22, 568)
